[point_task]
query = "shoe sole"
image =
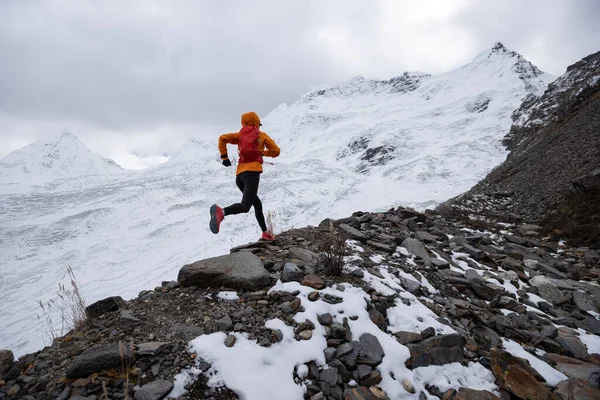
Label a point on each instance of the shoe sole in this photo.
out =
(214, 224)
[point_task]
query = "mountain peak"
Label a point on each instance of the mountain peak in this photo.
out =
(55, 156)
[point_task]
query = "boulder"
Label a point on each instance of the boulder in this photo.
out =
(98, 358)
(236, 271)
(106, 305)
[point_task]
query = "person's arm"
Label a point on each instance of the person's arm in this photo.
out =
(272, 150)
(224, 140)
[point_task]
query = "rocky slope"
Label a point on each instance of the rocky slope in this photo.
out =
(425, 308)
(552, 175)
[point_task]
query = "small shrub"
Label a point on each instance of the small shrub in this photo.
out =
(333, 250)
(71, 308)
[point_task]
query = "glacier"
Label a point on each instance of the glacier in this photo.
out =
(364, 144)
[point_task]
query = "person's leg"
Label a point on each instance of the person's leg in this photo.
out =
(260, 217)
(247, 182)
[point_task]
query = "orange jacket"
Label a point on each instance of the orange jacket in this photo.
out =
(266, 145)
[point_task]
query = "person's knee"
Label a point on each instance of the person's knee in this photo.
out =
(246, 207)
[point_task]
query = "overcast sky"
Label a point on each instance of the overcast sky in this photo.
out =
(134, 79)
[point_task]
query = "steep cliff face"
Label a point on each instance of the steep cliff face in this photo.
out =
(552, 175)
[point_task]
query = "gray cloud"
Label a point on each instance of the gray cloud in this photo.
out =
(148, 74)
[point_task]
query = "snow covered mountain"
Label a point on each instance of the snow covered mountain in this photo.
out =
(413, 140)
(53, 158)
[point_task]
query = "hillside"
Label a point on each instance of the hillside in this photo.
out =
(425, 308)
(552, 175)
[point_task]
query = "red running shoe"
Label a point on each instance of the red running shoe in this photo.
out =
(216, 216)
(268, 236)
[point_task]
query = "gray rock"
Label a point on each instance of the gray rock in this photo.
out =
(407, 337)
(547, 290)
(302, 254)
(128, 320)
(474, 252)
(574, 368)
(237, 271)
(439, 264)
(472, 276)
(104, 306)
(410, 285)
(428, 333)
(96, 359)
(330, 353)
(156, 390)
(549, 331)
(485, 291)
(152, 348)
(381, 246)
(353, 233)
(372, 353)
(188, 332)
(363, 371)
(416, 248)
(7, 359)
(224, 324)
(572, 346)
(359, 273)
(291, 273)
(326, 225)
(349, 359)
(329, 376)
(425, 237)
(544, 268)
(589, 324)
(584, 301)
(374, 378)
(438, 350)
(286, 307)
(325, 319)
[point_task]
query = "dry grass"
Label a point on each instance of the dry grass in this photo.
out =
(71, 308)
(333, 250)
(126, 354)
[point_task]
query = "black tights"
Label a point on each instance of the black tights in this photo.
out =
(247, 182)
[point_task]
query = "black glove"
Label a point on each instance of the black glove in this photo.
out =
(226, 162)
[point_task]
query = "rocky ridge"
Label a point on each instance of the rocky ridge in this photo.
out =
(552, 175)
(504, 300)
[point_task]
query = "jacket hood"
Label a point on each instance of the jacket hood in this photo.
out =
(251, 118)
